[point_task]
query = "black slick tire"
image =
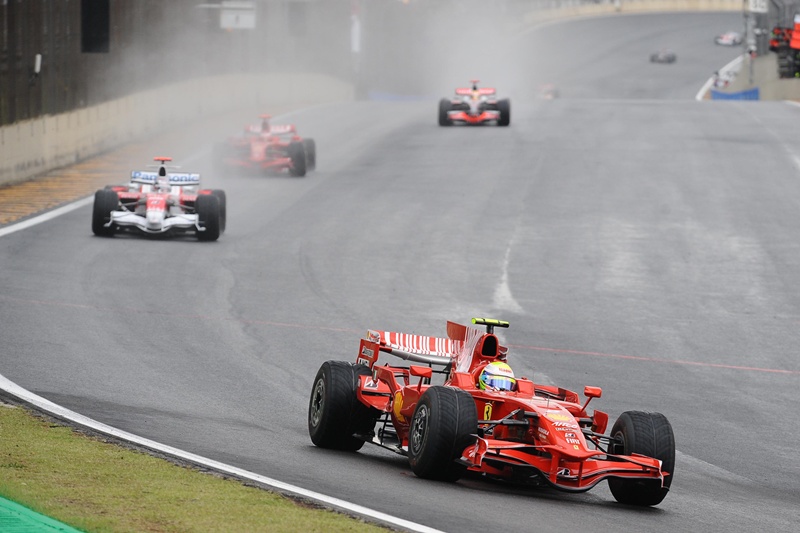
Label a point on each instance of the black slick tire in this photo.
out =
(105, 201)
(504, 106)
(311, 154)
(335, 414)
(208, 214)
(444, 107)
(297, 153)
(648, 434)
(223, 208)
(444, 423)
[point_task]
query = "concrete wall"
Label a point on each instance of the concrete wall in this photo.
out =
(577, 9)
(762, 73)
(31, 147)
(34, 146)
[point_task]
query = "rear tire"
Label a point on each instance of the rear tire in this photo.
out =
(105, 201)
(334, 412)
(444, 107)
(504, 106)
(311, 154)
(208, 214)
(297, 153)
(444, 423)
(648, 434)
(223, 208)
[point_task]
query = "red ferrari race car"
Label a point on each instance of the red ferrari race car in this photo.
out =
(160, 203)
(268, 147)
(483, 419)
(474, 106)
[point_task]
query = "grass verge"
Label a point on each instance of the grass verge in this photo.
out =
(98, 486)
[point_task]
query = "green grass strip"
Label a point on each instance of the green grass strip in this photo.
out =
(97, 486)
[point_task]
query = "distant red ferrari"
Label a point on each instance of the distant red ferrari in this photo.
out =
(474, 106)
(268, 147)
(484, 419)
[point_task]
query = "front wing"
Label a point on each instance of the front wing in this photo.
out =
(129, 220)
(566, 470)
(483, 117)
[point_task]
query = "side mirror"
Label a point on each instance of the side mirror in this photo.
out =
(592, 392)
(421, 371)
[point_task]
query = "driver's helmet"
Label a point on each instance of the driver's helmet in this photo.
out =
(162, 184)
(497, 375)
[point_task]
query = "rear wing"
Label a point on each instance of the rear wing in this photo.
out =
(282, 129)
(483, 91)
(458, 348)
(147, 177)
(417, 348)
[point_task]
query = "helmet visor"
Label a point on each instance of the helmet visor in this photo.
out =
(499, 382)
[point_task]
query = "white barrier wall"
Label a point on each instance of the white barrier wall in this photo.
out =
(34, 146)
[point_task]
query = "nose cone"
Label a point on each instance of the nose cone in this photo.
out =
(155, 220)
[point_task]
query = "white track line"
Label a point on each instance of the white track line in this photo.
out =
(60, 412)
(704, 89)
(63, 413)
(46, 216)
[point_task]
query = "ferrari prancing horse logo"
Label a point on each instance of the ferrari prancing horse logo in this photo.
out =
(487, 411)
(398, 404)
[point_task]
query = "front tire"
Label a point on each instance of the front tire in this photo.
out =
(648, 434)
(208, 214)
(504, 106)
(444, 107)
(311, 154)
(105, 201)
(223, 208)
(444, 423)
(297, 153)
(334, 412)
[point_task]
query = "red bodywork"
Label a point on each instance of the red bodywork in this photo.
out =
(261, 150)
(484, 116)
(155, 201)
(267, 147)
(475, 95)
(474, 105)
(535, 433)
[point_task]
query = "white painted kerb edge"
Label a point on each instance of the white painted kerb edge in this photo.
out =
(60, 412)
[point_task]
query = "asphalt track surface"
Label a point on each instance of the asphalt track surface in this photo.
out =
(636, 239)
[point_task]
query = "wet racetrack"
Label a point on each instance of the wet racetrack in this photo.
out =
(636, 239)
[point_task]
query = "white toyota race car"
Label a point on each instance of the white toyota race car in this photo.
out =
(160, 203)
